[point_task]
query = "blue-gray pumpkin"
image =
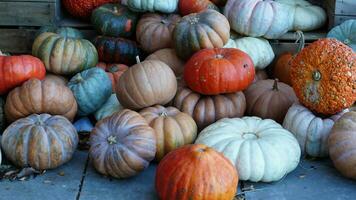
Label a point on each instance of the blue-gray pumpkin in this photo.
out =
(91, 89)
(346, 33)
(111, 106)
(62, 31)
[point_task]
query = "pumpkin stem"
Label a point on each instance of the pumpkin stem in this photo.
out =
(3, 54)
(300, 40)
(316, 75)
(113, 69)
(115, 9)
(39, 122)
(138, 59)
(112, 139)
(79, 78)
(163, 114)
(275, 84)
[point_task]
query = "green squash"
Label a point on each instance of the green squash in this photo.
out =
(114, 20)
(111, 106)
(346, 33)
(166, 6)
(64, 55)
(63, 31)
(91, 89)
(2, 115)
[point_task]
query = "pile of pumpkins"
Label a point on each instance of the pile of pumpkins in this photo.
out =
(176, 84)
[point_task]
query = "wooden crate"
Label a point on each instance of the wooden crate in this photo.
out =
(339, 11)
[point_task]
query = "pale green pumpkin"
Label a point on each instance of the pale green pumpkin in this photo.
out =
(346, 33)
(166, 6)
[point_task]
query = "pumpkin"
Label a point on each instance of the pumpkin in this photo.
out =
(2, 115)
(114, 71)
(269, 99)
(166, 6)
(261, 150)
(196, 172)
(206, 110)
(117, 50)
(62, 31)
(64, 55)
(187, 7)
(342, 145)
(57, 79)
(83, 127)
(260, 75)
(122, 145)
(40, 141)
(257, 18)
(36, 96)
(219, 71)
(324, 76)
(154, 31)
(91, 89)
(159, 88)
(258, 49)
(111, 106)
(311, 131)
(305, 16)
(204, 30)
(173, 128)
(15, 70)
(114, 20)
(346, 33)
(83, 8)
(169, 56)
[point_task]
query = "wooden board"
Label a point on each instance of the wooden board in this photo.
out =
(342, 7)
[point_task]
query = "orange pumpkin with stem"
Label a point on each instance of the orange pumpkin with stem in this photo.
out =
(114, 71)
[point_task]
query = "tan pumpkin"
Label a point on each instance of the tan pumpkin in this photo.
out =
(36, 96)
(146, 84)
(154, 31)
(57, 78)
(206, 110)
(173, 128)
(269, 99)
(169, 56)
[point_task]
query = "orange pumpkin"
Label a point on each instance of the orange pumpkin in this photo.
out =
(324, 76)
(114, 71)
(187, 7)
(196, 172)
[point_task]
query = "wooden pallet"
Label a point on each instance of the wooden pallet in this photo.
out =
(339, 11)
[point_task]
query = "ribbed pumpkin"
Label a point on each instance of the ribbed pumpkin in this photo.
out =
(204, 30)
(166, 6)
(114, 20)
(154, 31)
(57, 79)
(64, 55)
(159, 88)
(196, 172)
(91, 89)
(36, 96)
(346, 33)
(40, 141)
(342, 145)
(219, 71)
(117, 50)
(2, 115)
(187, 7)
(114, 71)
(169, 56)
(257, 18)
(206, 110)
(173, 128)
(111, 106)
(269, 99)
(122, 145)
(62, 31)
(83, 8)
(15, 70)
(324, 76)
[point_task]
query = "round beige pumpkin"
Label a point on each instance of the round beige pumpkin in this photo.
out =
(173, 128)
(146, 84)
(169, 56)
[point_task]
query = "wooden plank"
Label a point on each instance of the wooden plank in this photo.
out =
(339, 19)
(309, 36)
(342, 7)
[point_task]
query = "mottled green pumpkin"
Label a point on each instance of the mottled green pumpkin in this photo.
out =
(114, 20)
(91, 89)
(2, 115)
(63, 31)
(111, 106)
(64, 55)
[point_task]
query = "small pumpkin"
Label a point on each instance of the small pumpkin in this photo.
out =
(114, 20)
(154, 31)
(342, 145)
(122, 145)
(64, 55)
(159, 88)
(114, 71)
(269, 99)
(2, 115)
(261, 150)
(187, 7)
(196, 172)
(56, 78)
(173, 128)
(260, 75)
(169, 56)
(36, 96)
(83, 8)
(219, 71)
(346, 33)
(324, 76)
(167, 6)
(62, 31)
(40, 141)
(91, 89)
(117, 50)
(204, 30)
(84, 128)
(206, 110)
(111, 106)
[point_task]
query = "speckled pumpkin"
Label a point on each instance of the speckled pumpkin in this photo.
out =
(324, 76)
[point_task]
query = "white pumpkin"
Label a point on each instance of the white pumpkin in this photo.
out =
(311, 131)
(258, 18)
(261, 150)
(258, 49)
(166, 6)
(305, 16)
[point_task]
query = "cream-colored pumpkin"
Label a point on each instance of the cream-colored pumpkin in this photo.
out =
(261, 150)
